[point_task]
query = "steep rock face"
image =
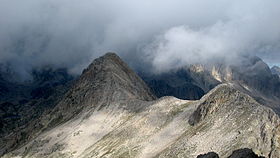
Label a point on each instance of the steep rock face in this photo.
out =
(108, 79)
(250, 75)
(254, 77)
(186, 83)
(124, 83)
(223, 121)
(257, 75)
(186, 90)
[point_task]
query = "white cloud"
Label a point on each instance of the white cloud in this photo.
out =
(71, 33)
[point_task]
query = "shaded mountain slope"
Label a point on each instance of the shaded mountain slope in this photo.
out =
(25, 102)
(106, 80)
(254, 77)
(183, 83)
(250, 75)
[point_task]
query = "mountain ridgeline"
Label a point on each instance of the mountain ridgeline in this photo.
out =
(109, 111)
(251, 76)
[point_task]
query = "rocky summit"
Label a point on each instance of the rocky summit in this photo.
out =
(250, 75)
(110, 112)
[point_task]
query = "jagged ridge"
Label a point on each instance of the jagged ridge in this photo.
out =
(222, 121)
(107, 79)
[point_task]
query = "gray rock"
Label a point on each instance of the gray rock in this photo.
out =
(209, 155)
(250, 75)
(240, 153)
(119, 117)
(244, 153)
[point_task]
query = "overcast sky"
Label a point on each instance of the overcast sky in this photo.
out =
(159, 33)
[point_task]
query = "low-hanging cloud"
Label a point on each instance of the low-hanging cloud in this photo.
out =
(222, 41)
(163, 34)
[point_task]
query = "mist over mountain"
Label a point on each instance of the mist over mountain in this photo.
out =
(163, 35)
(190, 78)
(251, 76)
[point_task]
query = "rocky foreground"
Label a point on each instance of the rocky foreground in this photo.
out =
(110, 112)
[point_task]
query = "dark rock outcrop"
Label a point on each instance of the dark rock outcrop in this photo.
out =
(208, 155)
(240, 153)
(244, 153)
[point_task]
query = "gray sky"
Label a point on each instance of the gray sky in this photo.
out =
(162, 34)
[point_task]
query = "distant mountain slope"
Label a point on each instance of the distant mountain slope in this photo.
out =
(251, 75)
(181, 83)
(276, 70)
(42, 82)
(110, 112)
(25, 102)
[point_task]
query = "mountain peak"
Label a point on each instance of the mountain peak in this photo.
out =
(107, 80)
(110, 70)
(106, 58)
(115, 120)
(105, 84)
(110, 55)
(222, 96)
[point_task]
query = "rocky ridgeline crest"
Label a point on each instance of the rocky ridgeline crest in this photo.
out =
(250, 75)
(110, 112)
